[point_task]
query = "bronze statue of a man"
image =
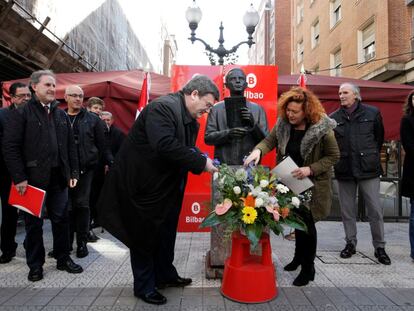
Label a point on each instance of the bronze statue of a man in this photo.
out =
(235, 126)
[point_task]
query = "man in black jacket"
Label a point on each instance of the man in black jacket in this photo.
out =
(88, 131)
(142, 196)
(360, 134)
(19, 96)
(39, 150)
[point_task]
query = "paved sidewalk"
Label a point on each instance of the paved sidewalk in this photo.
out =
(359, 283)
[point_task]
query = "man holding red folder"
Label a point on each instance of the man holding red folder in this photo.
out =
(39, 150)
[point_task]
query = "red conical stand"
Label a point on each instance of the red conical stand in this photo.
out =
(249, 278)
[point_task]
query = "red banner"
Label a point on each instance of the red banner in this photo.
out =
(261, 89)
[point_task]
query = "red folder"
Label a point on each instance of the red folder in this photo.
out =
(31, 201)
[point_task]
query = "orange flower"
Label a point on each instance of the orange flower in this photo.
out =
(284, 212)
(249, 201)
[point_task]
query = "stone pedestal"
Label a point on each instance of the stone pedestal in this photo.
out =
(220, 241)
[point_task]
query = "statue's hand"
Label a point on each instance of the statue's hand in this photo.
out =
(246, 117)
(238, 132)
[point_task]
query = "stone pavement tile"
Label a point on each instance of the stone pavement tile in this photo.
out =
(296, 297)
(126, 301)
(281, 308)
(337, 297)
(83, 301)
(379, 308)
(99, 308)
(235, 306)
(30, 291)
(213, 300)
(259, 307)
(111, 291)
(90, 291)
(304, 308)
(61, 301)
(317, 297)
(75, 308)
(17, 300)
(395, 296)
(407, 308)
(356, 296)
(213, 308)
(21, 308)
(211, 291)
(127, 291)
(192, 308)
(49, 291)
(70, 291)
(376, 296)
(347, 308)
(104, 301)
(38, 300)
(408, 293)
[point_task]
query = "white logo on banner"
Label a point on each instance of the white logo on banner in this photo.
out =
(196, 208)
(251, 80)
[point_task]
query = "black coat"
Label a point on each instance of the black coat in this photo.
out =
(114, 138)
(89, 132)
(407, 140)
(26, 145)
(360, 137)
(4, 172)
(149, 173)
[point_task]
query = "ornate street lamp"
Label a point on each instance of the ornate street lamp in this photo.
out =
(250, 20)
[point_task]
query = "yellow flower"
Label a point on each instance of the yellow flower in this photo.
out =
(249, 215)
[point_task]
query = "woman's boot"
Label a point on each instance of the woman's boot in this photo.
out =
(306, 274)
(293, 265)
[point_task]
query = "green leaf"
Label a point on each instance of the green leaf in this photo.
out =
(296, 224)
(254, 233)
(275, 227)
(211, 220)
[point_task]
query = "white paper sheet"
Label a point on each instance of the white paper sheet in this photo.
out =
(284, 172)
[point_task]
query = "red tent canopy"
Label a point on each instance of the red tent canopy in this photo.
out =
(388, 97)
(119, 89)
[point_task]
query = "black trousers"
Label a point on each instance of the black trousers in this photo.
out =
(306, 242)
(156, 268)
(79, 207)
(57, 209)
(98, 180)
(8, 244)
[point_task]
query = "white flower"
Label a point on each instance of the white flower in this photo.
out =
(215, 175)
(259, 202)
(264, 183)
(255, 191)
(295, 201)
(236, 190)
(263, 195)
(221, 181)
(282, 188)
(241, 174)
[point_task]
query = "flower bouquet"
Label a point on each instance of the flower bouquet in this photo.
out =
(251, 199)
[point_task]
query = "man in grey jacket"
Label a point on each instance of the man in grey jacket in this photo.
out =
(235, 126)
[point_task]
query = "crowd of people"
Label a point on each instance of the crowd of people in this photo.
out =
(131, 185)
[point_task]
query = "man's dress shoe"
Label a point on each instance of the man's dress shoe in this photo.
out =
(154, 298)
(69, 266)
(35, 274)
(7, 257)
(178, 282)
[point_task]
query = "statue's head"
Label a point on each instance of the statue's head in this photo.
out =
(236, 81)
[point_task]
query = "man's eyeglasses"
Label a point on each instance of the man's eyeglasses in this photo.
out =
(76, 95)
(20, 96)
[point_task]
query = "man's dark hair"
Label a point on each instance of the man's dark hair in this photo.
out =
(35, 77)
(95, 101)
(408, 106)
(203, 85)
(15, 86)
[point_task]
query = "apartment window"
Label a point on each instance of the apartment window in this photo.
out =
(368, 42)
(300, 51)
(336, 12)
(315, 34)
(299, 13)
(336, 63)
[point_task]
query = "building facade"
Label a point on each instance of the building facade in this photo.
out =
(363, 39)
